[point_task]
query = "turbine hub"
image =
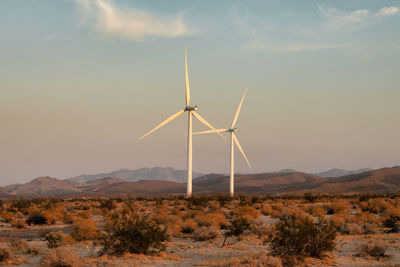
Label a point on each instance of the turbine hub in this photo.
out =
(189, 108)
(232, 130)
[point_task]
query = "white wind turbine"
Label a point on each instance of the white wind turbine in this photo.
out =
(234, 139)
(191, 111)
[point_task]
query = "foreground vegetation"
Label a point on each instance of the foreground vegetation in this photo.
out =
(252, 231)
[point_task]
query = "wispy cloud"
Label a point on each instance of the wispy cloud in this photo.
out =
(354, 20)
(326, 31)
(131, 23)
(265, 45)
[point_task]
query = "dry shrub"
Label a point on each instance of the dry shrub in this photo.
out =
(19, 245)
(19, 224)
(317, 211)
(392, 223)
(84, 229)
(85, 214)
(206, 233)
(246, 212)
(272, 210)
(293, 212)
(54, 239)
(189, 226)
(8, 217)
(53, 215)
(23, 247)
(61, 257)
(338, 207)
(36, 217)
(135, 234)
(369, 228)
(256, 260)
(68, 218)
(375, 205)
(338, 221)
(216, 219)
(352, 229)
(5, 254)
(301, 237)
(374, 248)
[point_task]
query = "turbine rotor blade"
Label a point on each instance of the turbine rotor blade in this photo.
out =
(187, 87)
(176, 115)
(210, 131)
(238, 109)
(240, 148)
(202, 120)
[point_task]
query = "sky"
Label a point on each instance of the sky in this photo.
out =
(82, 80)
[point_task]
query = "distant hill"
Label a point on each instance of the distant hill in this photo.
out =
(341, 172)
(262, 183)
(42, 186)
(156, 173)
(380, 181)
(286, 171)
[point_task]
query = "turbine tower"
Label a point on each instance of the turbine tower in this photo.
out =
(234, 139)
(191, 110)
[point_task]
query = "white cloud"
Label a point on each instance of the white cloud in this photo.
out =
(133, 24)
(387, 11)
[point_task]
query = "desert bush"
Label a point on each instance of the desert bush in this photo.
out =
(236, 228)
(392, 223)
(272, 210)
(5, 254)
(68, 218)
(85, 214)
(374, 248)
(189, 226)
(54, 239)
(301, 237)
(293, 212)
(19, 245)
(223, 199)
(352, 229)
(310, 198)
(246, 212)
(316, 211)
(132, 234)
(61, 257)
(36, 217)
(255, 260)
(216, 219)
(107, 205)
(23, 247)
(369, 228)
(206, 233)
(338, 207)
(19, 224)
(84, 229)
(338, 221)
(8, 217)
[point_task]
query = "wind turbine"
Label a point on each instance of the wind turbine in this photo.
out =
(234, 139)
(191, 110)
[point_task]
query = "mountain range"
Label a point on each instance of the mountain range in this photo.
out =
(155, 173)
(381, 181)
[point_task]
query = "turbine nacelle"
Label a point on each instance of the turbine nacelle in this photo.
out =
(189, 108)
(232, 130)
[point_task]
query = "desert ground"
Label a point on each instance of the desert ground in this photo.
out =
(306, 230)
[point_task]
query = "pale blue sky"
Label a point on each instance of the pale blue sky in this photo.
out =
(81, 80)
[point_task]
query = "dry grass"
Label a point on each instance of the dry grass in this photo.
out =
(61, 257)
(84, 229)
